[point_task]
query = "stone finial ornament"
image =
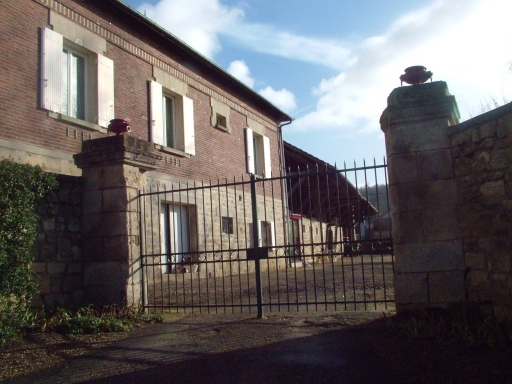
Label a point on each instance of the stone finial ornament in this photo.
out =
(417, 74)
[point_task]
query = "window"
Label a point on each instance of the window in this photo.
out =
(175, 236)
(266, 234)
(171, 119)
(227, 225)
(220, 115)
(75, 81)
(294, 235)
(258, 154)
(330, 236)
(221, 121)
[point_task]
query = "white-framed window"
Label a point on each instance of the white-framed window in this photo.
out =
(75, 81)
(171, 119)
(74, 93)
(266, 234)
(175, 236)
(258, 154)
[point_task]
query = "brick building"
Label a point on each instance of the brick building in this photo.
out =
(68, 67)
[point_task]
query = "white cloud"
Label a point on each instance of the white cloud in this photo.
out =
(200, 22)
(266, 39)
(241, 71)
(284, 99)
(196, 22)
(467, 43)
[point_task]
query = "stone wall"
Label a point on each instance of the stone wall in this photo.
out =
(58, 253)
(206, 206)
(429, 263)
(451, 201)
(482, 156)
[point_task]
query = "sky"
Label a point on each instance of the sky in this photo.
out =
(331, 64)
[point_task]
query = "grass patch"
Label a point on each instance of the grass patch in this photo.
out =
(88, 320)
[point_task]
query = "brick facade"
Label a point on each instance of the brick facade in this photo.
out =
(135, 51)
(138, 49)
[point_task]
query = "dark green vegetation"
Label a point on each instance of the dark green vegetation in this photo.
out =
(87, 320)
(21, 188)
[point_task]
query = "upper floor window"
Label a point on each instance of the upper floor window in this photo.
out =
(75, 81)
(220, 115)
(171, 119)
(258, 154)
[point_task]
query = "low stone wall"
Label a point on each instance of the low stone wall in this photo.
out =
(482, 159)
(58, 254)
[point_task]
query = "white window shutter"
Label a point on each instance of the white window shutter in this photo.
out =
(188, 126)
(260, 239)
(105, 91)
(51, 70)
(249, 151)
(266, 156)
(272, 234)
(156, 117)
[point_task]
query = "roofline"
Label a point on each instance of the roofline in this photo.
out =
(252, 93)
(304, 153)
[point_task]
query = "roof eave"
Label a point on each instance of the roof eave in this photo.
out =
(281, 116)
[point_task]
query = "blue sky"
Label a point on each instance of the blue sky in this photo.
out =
(332, 63)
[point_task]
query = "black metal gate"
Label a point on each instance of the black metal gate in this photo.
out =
(313, 239)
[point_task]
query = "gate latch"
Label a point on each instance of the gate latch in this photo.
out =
(258, 253)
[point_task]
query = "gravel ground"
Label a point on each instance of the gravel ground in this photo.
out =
(348, 347)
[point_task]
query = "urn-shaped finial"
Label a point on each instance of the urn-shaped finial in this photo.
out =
(417, 74)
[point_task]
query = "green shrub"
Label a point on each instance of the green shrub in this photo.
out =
(21, 188)
(88, 320)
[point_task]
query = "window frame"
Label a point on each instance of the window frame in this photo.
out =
(99, 94)
(169, 138)
(218, 108)
(70, 53)
(183, 118)
(271, 232)
(258, 156)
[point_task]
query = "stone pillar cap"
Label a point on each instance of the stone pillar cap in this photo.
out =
(420, 102)
(121, 149)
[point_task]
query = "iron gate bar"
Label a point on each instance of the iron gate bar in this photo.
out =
(321, 202)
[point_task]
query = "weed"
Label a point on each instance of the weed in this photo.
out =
(87, 320)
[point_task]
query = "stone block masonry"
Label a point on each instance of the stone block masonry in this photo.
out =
(482, 156)
(58, 250)
(113, 171)
(429, 268)
(451, 202)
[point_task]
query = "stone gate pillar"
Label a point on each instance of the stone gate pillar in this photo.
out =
(429, 267)
(113, 171)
